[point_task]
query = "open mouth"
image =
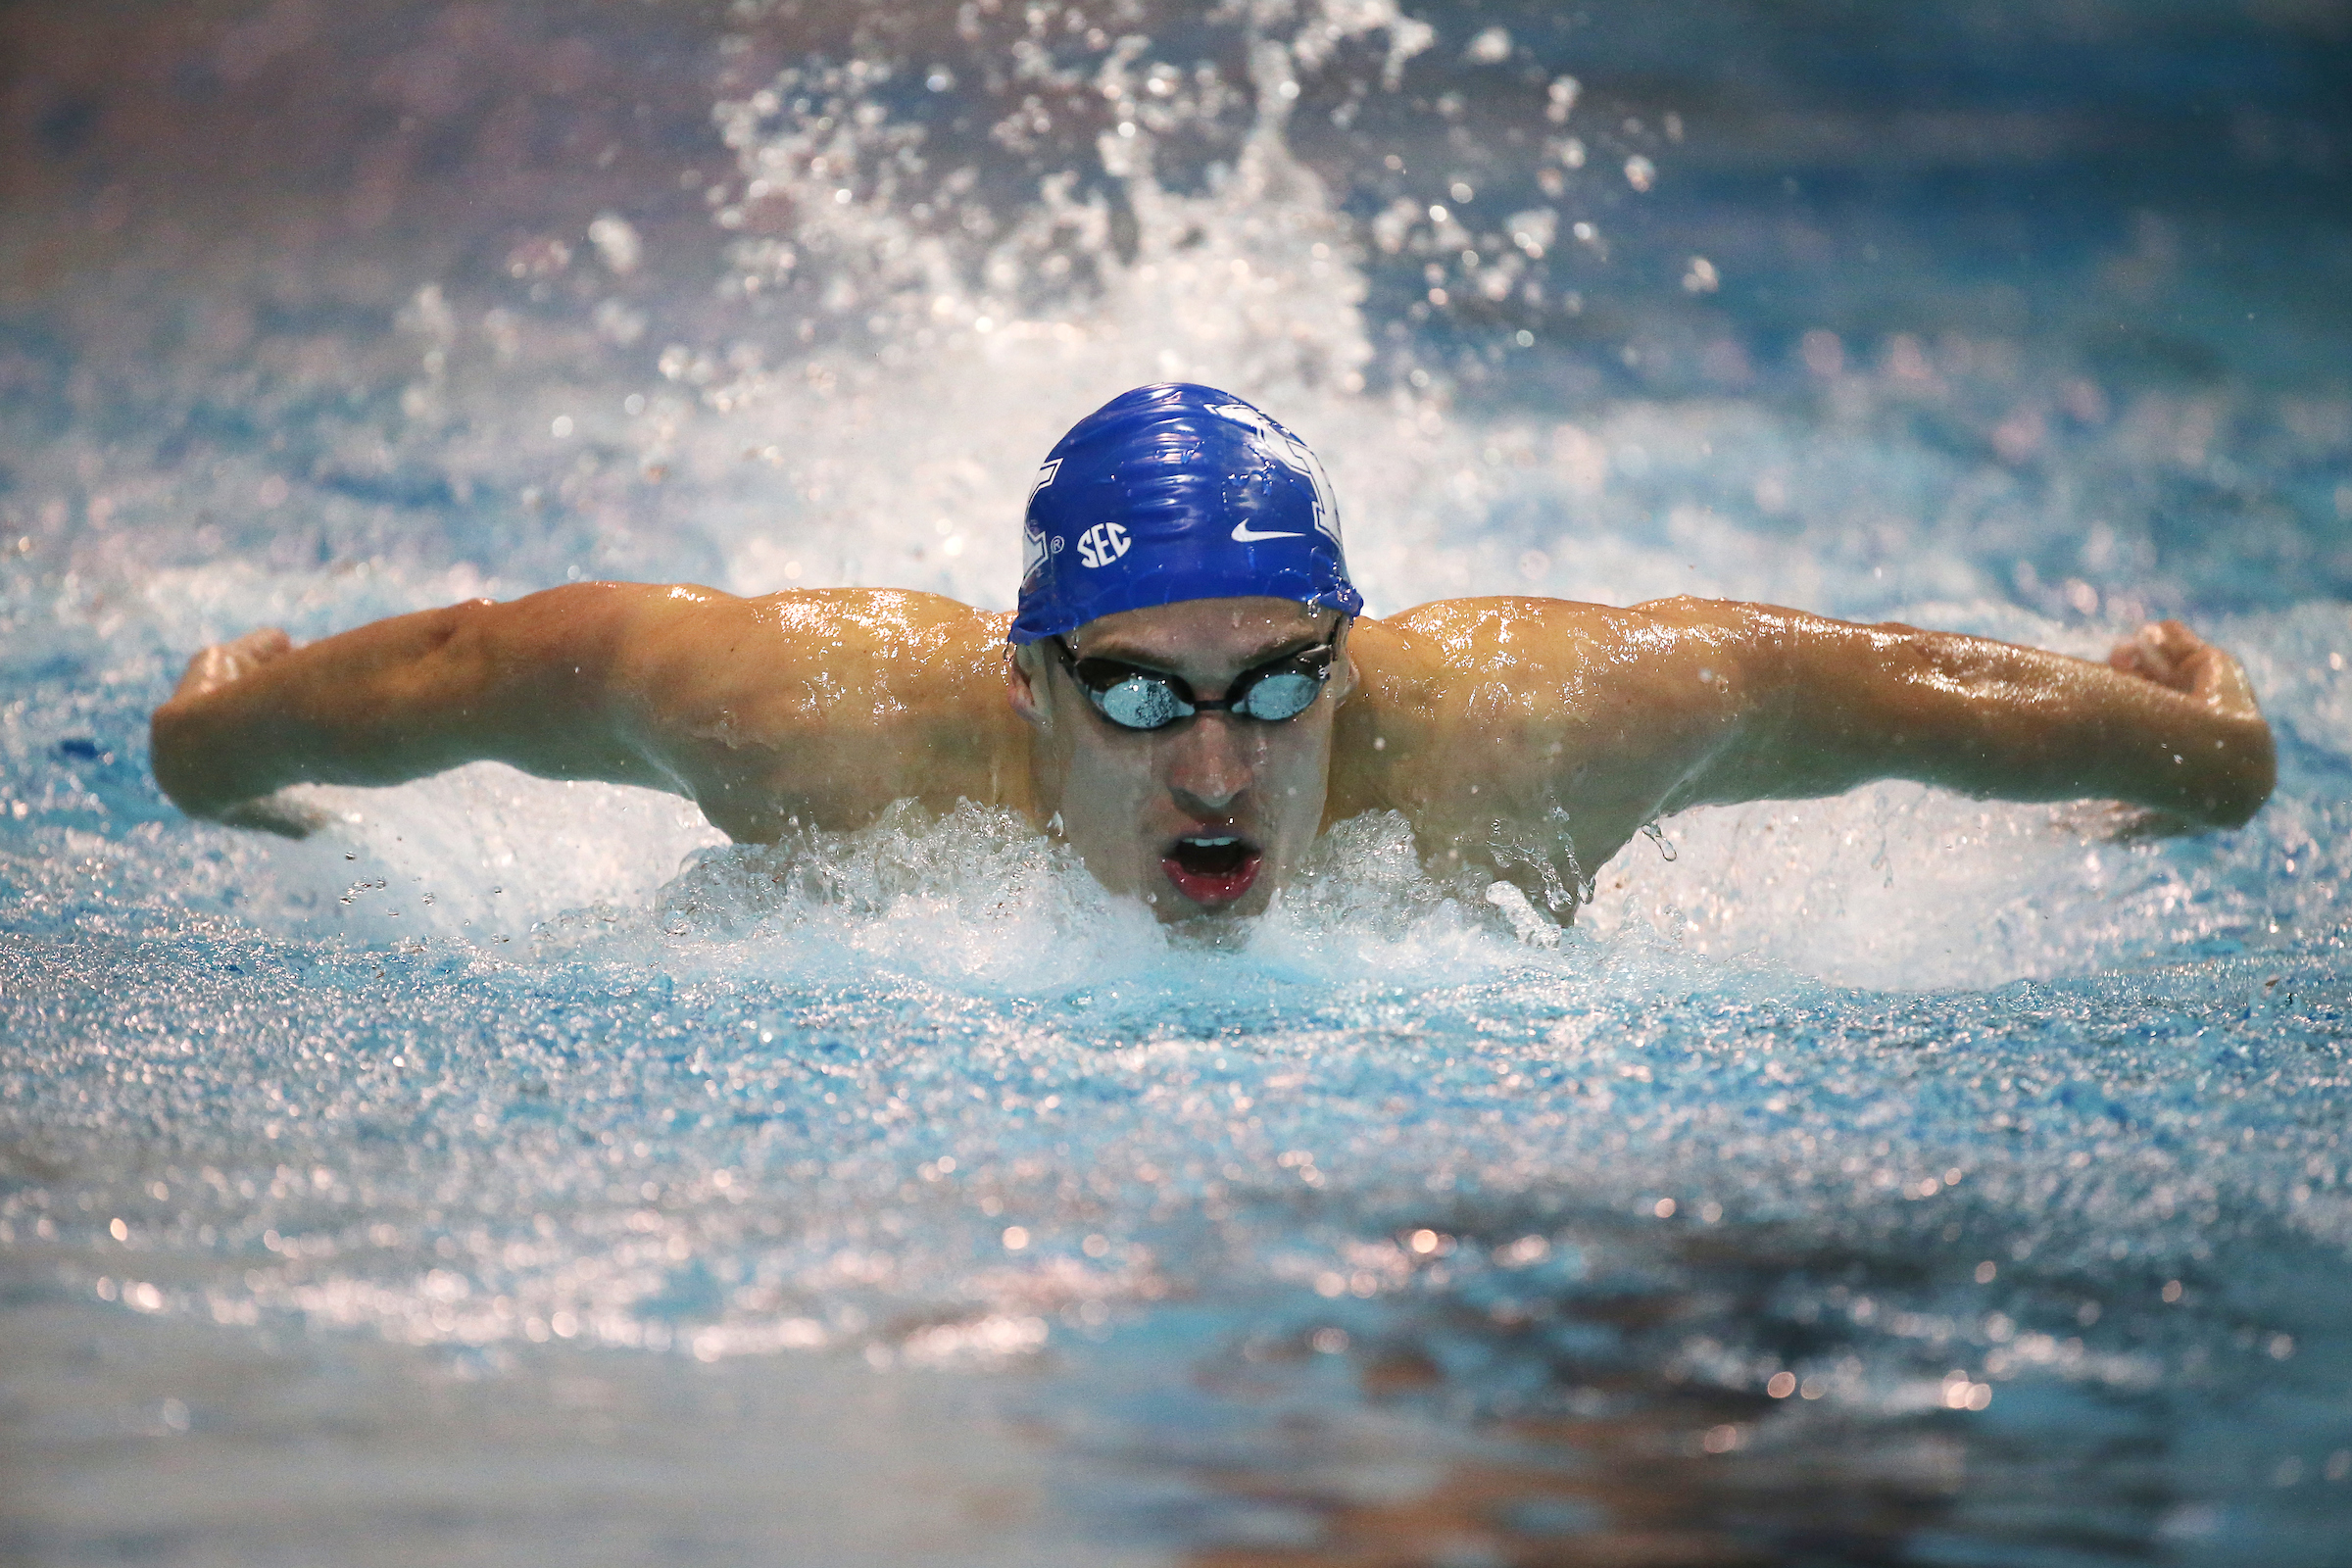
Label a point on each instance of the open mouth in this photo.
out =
(1212, 868)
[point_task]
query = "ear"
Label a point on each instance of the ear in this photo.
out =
(1343, 678)
(1026, 688)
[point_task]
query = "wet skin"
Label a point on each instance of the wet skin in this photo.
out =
(1531, 737)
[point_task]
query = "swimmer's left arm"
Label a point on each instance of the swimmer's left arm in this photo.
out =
(2168, 723)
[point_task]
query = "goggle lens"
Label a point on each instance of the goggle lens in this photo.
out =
(1141, 703)
(1284, 693)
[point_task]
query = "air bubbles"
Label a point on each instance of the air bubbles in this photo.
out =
(617, 243)
(540, 257)
(1962, 1392)
(1491, 47)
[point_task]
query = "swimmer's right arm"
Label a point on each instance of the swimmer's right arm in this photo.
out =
(818, 705)
(528, 683)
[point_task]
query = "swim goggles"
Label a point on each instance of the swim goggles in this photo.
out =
(1134, 698)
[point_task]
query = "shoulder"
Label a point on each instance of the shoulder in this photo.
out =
(885, 619)
(1515, 689)
(850, 637)
(827, 704)
(1464, 633)
(698, 661)
(1519, 644)
(1464, 689)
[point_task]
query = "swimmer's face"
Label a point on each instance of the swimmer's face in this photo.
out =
(1207, 817)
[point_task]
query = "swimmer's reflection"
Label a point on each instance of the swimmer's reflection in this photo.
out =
(1632, 1480)
(1607, 1447)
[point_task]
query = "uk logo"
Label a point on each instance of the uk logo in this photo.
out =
(1033, 537)
(1102, 544)
(1293, 454)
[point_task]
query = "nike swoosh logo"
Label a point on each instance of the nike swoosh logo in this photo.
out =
(1243, 535)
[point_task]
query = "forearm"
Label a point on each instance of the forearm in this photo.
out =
(1993, 719)
(398, 700)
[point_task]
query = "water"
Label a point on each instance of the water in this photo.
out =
(514, 1173)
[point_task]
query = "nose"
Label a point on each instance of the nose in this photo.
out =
(1209, 763)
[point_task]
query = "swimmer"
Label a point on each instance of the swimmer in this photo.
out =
(1187, 693)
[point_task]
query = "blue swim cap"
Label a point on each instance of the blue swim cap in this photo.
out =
(1176, 492)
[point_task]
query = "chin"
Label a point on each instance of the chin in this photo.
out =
(1180, 913)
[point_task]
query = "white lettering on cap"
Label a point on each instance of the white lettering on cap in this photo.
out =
(1102, 544)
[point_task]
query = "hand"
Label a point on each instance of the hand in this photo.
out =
(2172, 656)
(180, 767)
(222, 662)
(2169, 655)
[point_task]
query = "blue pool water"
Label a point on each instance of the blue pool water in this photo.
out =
(513, 1172)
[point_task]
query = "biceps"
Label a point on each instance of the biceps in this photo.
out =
(1734, 717)
(537, 684)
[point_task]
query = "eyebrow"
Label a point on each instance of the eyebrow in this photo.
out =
(1268, 655)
